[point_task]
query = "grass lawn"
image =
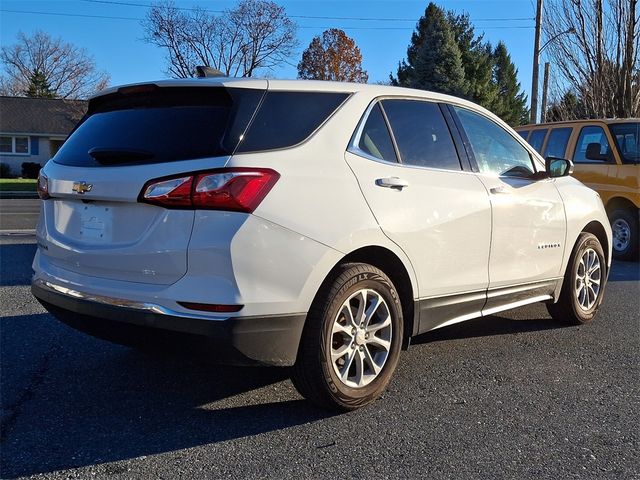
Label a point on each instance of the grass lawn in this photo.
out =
(17, 185)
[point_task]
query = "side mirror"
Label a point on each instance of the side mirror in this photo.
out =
(558, 167)
(593, 153)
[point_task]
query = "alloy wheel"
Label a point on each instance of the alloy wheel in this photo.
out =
(361, 338)
(588, 279)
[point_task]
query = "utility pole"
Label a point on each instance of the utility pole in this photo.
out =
(536, 59)
(545, 91)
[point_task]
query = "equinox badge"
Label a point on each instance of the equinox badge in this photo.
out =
(81, 187)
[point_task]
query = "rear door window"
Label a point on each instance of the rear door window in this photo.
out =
(286, 119)
(591, 134)
(557, 143)
(160, 125)
(536, 139)
(375, 139)
(421, 134)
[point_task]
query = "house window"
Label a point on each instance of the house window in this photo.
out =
(19, 145)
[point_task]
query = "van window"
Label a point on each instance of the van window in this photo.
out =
(421, 134)
(495, 150)
(375, 139)
(590, 134)
(557, 143)
(524, 133)
(627, 137)
(536, 139)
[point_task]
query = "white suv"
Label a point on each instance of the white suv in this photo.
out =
(309, 224)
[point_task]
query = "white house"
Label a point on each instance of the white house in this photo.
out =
(33, 129)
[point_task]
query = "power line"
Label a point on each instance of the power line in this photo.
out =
(368, 19)
(59, 14)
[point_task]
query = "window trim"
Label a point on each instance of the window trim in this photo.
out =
(354, 148)
(13, 145)
(537, 165)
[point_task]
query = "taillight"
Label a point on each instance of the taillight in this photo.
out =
(232, 189)
(43, 186)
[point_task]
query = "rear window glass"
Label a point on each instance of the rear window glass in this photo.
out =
(286, 119)
(557, 143)
(537, 139)
(160, 125)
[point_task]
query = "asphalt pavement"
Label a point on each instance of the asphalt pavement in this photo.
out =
(516, 395)
(512, 396)
(18, 215)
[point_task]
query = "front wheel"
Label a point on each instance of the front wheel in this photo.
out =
(351, 341)
(584, 282)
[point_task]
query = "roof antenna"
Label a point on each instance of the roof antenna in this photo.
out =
(208, 72)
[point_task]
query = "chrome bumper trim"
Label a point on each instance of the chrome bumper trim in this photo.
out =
(121, 302)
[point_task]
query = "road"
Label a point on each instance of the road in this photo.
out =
(18, 215)
(510, 396)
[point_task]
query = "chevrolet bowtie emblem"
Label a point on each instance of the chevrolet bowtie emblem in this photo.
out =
(81, 187)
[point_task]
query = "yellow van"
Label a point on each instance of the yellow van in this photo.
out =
(606, 155)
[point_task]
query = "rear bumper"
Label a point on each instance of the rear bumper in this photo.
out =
(267, 340)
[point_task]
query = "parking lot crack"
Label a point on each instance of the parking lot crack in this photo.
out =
(13, 411)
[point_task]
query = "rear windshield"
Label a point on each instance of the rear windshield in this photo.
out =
(162, 125)
(172, 123)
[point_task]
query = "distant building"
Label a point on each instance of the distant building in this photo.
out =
(33, 129)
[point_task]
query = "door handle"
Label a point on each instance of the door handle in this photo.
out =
(498, 190)
(392, 182)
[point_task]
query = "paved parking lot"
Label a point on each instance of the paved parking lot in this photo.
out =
(510, 396)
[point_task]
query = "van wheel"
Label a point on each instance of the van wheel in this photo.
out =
(351, 341)
(584, 282)
(624, 225)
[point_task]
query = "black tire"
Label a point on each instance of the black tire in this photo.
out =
(313, 374)
(625, 220)
(568, 308)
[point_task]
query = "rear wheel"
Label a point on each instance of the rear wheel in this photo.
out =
(584, 282)
(351, 341)
(624, 226)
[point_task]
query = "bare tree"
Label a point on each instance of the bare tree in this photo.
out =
(334, 56)
(599, 62)
(257, 34)
(69, 71)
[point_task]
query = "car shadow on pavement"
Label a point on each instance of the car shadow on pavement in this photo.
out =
(85, 401)
(15, 263)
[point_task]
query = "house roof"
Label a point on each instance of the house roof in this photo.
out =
(40, 115)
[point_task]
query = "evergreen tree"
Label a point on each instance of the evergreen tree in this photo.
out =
(438, 62)
(489, 78)
(510, 103)
(38, 86)
(477, 60)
